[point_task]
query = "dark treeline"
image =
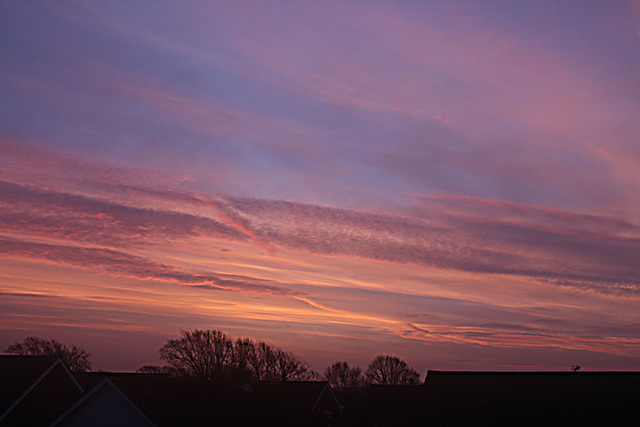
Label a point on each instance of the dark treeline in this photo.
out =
(213, 355)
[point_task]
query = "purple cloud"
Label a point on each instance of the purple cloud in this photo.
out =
(587, 252)
(83, 219)
(581, 251)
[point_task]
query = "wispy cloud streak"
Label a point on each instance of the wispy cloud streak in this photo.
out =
(523, 338)
(585, 252)
(581, 251)
(126, 265)
(78, 218)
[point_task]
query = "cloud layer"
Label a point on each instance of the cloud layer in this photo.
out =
(457, 177)
(587, 252)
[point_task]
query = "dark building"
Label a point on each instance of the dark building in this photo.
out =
(41, 391)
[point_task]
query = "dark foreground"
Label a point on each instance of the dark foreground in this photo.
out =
(41, 391)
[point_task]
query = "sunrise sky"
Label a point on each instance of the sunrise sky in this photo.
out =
(453, 182)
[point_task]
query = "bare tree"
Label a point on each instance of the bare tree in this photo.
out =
(213, 355)
(290, 368)
(199, 353)
(268, 363)
(343, 377)
(263, 364)
(391, 370)
(243, 358)
(76, 358)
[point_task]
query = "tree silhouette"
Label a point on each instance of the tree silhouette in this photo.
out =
(152, 369)
(76, 358)
(198, 353)
(391, 370)
(290, 368)
(213, 355)
(273, 364)
(343, 377)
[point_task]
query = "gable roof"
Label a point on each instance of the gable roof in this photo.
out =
(170, 401)
(35, 389)
(330, 398)
(17, 374)
(105, 383)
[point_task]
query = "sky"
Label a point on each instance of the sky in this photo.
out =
(456, 183)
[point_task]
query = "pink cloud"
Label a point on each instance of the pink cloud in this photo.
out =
(35, 211)
(496, 337)
(585, 252)
(119, 263)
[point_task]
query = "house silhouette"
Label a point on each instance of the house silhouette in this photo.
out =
(41, 391)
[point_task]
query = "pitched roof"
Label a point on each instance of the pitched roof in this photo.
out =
(35, 390)
(17, 374)
(123, 404)
(171, 401)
